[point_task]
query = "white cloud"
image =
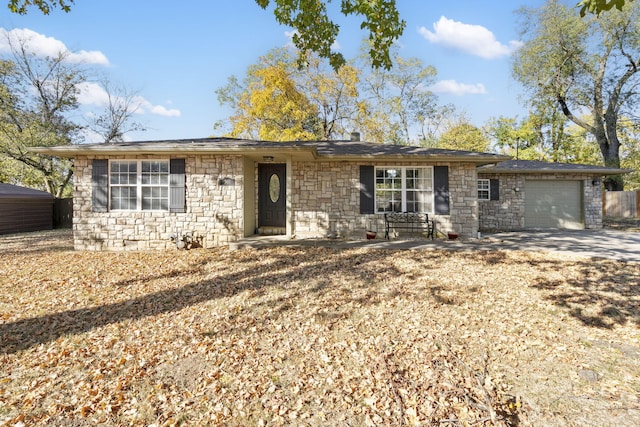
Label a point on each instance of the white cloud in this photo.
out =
(44, 46)
(159, 110)
(94, 94)
(473, 39)
(145, 106)
(459, 89)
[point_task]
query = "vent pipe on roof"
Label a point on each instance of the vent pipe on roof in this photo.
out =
(355, 136)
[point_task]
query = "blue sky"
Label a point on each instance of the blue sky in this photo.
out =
(174, 55)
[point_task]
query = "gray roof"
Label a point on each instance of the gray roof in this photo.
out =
(359, 148)
(9, 191)
(537, 166)
(306, 150)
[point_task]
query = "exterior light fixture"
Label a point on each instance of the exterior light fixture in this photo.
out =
(267, 159)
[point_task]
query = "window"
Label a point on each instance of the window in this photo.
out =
(404, 189)
(483, 189)
(139, 185)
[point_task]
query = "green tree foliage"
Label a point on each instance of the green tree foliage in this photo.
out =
(35, 97)
(396, 102)
(434, 123)
(38, 105)
(598, 6)
(45, 6)
(630, 153)
(513, 138)
(316, 32)
(583, 65)
(578, 147)
(464, 136)
(547, 138)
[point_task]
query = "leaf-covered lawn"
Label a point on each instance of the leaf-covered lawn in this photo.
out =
(316, 336)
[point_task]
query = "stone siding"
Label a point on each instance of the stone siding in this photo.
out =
(507, 213)
(326, 200)
(592, 202)
(214, 209)
(463, 187)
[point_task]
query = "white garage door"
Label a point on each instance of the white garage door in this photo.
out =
(553, 204)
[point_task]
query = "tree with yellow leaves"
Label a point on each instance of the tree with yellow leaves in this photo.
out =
(278, 101)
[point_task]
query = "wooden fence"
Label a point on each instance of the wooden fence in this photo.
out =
(621, 204)
(63, 213)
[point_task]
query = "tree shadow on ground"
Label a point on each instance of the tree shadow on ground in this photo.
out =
(605, 293)
(26, 333)
(37, 242)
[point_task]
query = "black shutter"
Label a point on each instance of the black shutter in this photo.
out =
(367, 185)
(100, 185)
(441, 187)
(494, 189)
(177, 186)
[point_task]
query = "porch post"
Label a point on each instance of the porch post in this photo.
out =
(289, 197)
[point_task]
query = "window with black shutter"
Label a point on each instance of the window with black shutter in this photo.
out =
(157, 185)
(494, 184)
(441, 189)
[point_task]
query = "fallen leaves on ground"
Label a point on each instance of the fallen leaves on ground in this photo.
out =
(317, 336)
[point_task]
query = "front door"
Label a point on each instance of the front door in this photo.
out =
(271, 195)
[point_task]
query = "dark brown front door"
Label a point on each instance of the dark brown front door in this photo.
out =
(271, 195)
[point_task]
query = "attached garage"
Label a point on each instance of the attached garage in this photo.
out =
(529, 194)
(553, 204)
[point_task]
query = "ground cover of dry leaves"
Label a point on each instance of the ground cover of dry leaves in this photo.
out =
(315, 336)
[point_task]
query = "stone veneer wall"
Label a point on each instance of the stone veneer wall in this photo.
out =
(214, 209)
(507, 213)
(326, 199)
(463, 187)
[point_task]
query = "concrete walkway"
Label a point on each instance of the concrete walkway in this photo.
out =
(603, 243)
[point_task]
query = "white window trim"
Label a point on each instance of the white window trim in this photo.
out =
(403, 194)
(488, 189)
(139, 186)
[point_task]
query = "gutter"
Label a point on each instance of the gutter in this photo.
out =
(586, 171)
(106, 149)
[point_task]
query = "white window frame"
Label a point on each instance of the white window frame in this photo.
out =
(485, 183)
(403, 188)
(139, 186)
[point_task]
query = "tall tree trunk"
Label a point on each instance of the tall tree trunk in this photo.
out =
(64, 183)
(610, 149)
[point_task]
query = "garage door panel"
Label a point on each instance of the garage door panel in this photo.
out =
(553, 204)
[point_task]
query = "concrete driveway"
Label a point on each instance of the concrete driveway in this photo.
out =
(602, 243)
